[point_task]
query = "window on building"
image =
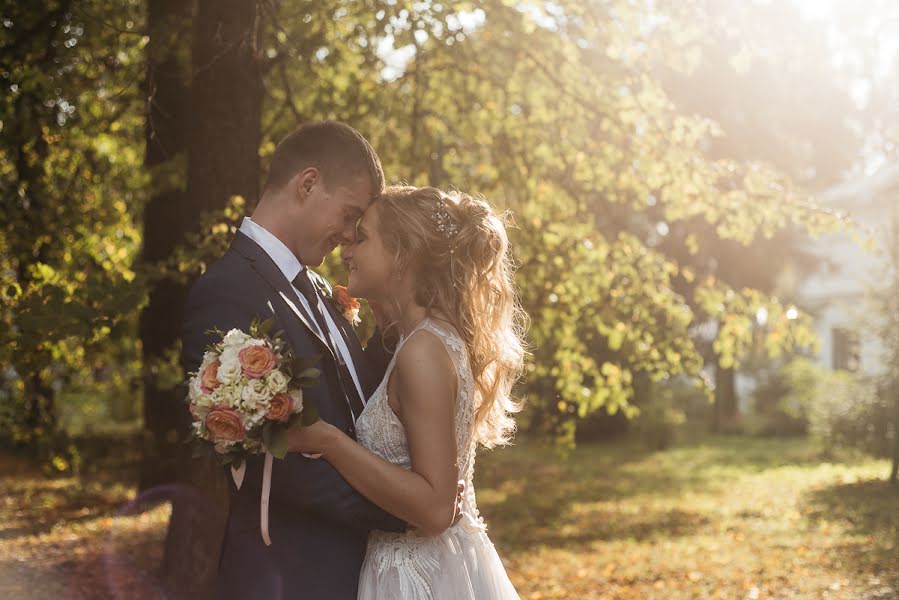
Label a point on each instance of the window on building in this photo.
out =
(846, 349)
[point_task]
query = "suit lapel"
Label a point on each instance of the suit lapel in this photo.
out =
(269, 271)
(262, 263)
(355, 348)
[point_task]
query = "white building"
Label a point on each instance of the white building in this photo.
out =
(837, 295)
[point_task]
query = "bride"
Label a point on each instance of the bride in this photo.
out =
(438, 266)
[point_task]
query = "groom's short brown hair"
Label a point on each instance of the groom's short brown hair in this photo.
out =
(337, 150)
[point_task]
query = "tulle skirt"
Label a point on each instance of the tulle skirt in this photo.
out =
(459, 564)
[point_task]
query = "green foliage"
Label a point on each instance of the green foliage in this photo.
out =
(573, 133)
(557, 112)
(662, 411)
(774, 412)
(842, 409)
(69, 221)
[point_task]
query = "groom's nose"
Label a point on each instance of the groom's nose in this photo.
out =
(348, 235)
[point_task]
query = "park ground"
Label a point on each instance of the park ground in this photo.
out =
(712, 517)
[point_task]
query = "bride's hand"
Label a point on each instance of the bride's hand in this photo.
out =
(311, 440)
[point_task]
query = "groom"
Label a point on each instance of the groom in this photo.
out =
(322, 178)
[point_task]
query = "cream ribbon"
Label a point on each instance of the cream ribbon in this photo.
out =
(238, 473)
(263, 504)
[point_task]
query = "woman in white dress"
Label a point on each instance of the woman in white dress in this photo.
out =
(438, 266)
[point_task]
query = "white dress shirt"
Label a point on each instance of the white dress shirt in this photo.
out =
(290, 266)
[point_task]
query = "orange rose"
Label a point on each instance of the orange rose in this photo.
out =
(280, 408)
(225, 424)
(257, 361)
(344, 299)
(209, 378)
(349, 306)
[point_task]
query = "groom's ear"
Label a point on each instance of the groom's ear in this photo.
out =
(305, 181)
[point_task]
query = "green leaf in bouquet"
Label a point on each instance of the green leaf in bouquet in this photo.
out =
(217, 332)
(300, 363)
(309, 415)
(295, 419)
(265, 326)
(278, 340)
(267, 433)
(307, 376)
(236, 461)
(278, 443)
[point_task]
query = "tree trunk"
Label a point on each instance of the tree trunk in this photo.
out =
(223, 136)
(168, 24)
(41, 418)
(226, 108)
(725, 397)
(29, 157)
(894, 471)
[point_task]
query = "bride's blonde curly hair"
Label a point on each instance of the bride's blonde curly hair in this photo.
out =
(458, 248)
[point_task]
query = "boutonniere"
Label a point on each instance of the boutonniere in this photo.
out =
(348, 305)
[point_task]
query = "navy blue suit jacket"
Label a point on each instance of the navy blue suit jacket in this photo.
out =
(318, 523)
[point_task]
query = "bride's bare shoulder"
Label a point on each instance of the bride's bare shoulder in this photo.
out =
(424, 363)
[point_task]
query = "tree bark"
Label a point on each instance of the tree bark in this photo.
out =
(226, 108)
(222, 141)
(894, 470)
(168, 24)
(725, 397)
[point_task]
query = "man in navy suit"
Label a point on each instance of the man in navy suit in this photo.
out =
(322, 178)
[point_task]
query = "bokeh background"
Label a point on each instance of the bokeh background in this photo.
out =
(706, 198)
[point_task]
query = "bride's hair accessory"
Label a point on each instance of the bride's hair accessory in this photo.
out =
(445, 223)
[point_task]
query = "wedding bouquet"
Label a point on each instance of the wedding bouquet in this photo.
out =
(248, 392)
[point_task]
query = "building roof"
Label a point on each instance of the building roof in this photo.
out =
(861, 195)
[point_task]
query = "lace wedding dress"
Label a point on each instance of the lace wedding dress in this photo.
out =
(459, 564)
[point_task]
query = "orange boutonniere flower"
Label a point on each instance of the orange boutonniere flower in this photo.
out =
(348, 305)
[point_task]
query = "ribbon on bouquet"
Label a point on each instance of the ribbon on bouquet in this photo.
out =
(238, 473)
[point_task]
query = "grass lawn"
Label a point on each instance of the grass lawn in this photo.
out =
(715, 518)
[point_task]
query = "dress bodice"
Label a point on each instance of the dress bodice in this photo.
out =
(380, 430)
(460, 563)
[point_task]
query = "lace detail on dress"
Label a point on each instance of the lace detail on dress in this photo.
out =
(415, 557)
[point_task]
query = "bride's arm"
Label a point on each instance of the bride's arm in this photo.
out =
(426, 385)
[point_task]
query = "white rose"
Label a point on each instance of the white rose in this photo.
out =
(252, 419)
(208, 357)
(276, 382)
(297, 397)
(230, 395)
(235, 337)
(254, 394)
(206, 400)
(229, 370)
(194, 390)
(229, 353)
(199, 411)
